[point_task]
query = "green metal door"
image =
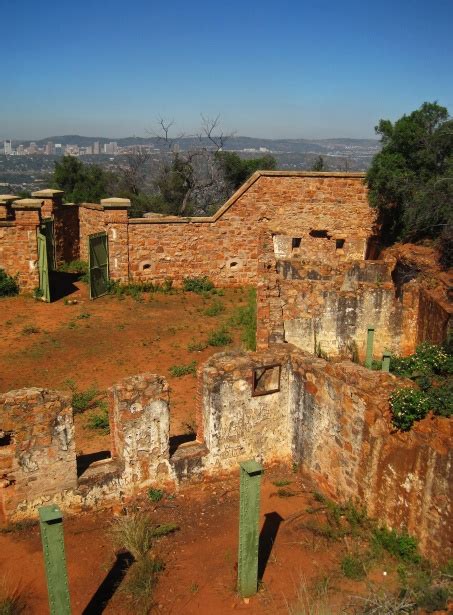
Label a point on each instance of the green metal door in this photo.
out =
(98, 264)
(48, 230)
(44, 285)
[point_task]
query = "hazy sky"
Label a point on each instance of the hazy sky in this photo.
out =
(271, 69)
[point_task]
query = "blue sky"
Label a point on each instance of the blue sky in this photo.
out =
(300, 69)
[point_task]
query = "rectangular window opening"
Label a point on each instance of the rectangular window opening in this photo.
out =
(266, 380)
(319, 234)
(339, 243)
(296, 242)
(6, 438)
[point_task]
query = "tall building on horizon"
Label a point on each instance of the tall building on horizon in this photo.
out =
(7, 147)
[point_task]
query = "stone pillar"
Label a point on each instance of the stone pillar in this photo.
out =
(51, 199)
(139, 420)
(116, 222)
(23, 254)
(5, 206)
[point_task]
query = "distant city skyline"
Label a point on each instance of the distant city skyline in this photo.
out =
(271, 70)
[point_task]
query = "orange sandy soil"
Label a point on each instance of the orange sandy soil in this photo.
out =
(201, 558)
(119, 338)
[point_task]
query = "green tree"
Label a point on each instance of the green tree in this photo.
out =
(410, 180)
(82, 182)
(237, 170)
(319, 164)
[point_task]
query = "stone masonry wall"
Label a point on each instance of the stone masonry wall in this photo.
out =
(67, 233)
(236, 425)
(19, 248)
(38, 456)
(344, 438)
(225, 247)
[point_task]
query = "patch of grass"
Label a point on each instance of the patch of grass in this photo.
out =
(76, 266)
(353, 567)
(11, 601)
(245, 318)
(197, 346)
(155, 495)
(164, 529)
(30, 330)
(285, 493)
(72, 325)
(136, 289)
(281, 483)
(381, 602)
(133, 533)
(99, 421)
(220, 337)
(8, 285)
(140, 583)
(306, 604)
(82, 400)
(83, 316)
(402, 546)
(216, 308)
(198, 285)
(183, 370)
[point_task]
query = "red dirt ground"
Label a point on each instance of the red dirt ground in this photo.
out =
(201, 558)
(119, 338)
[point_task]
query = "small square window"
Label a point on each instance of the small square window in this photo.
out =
(319, 234)
(296, 242)
(266, 380)
(339, 243)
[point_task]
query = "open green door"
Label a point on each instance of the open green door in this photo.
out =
(47, 229)
(44, 285)
(98, 264)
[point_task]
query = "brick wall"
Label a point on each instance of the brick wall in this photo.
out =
(18, 245)
(225, 247)
(66, 233)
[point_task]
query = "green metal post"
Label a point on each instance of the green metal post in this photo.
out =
(386, 361)
(51, 524)
(249, 510)
(369, 347)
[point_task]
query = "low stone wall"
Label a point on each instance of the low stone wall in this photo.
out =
(280, 405)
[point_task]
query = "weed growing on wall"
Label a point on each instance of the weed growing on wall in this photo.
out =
(8, 285)
(198, 285)
(431, 368)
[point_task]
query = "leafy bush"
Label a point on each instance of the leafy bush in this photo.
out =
(76, 266)
(402, 546)
(155, 495)
(198, 285)
(408, 405)
(183, 370)
(431, 368)
(30, 330)
(220, 337)
(8, 285)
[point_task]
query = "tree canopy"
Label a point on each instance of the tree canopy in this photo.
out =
(237, 170)
(82, 182)
(411, 179)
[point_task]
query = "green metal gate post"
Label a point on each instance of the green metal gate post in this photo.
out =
(51, 524)
(386, 361)
(369, 347)
(249, 509)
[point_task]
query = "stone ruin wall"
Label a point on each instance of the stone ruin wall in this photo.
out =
(332, 419)
(327, 310)
(225, 247)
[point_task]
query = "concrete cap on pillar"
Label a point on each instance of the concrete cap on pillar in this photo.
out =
(7, 198)
(27, 204)
(115, 203)
(47, 193)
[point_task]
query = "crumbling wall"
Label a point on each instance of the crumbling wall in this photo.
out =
(140, 428)
(37, 451)
(345, 439)
(238, 425)
(435, 318)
